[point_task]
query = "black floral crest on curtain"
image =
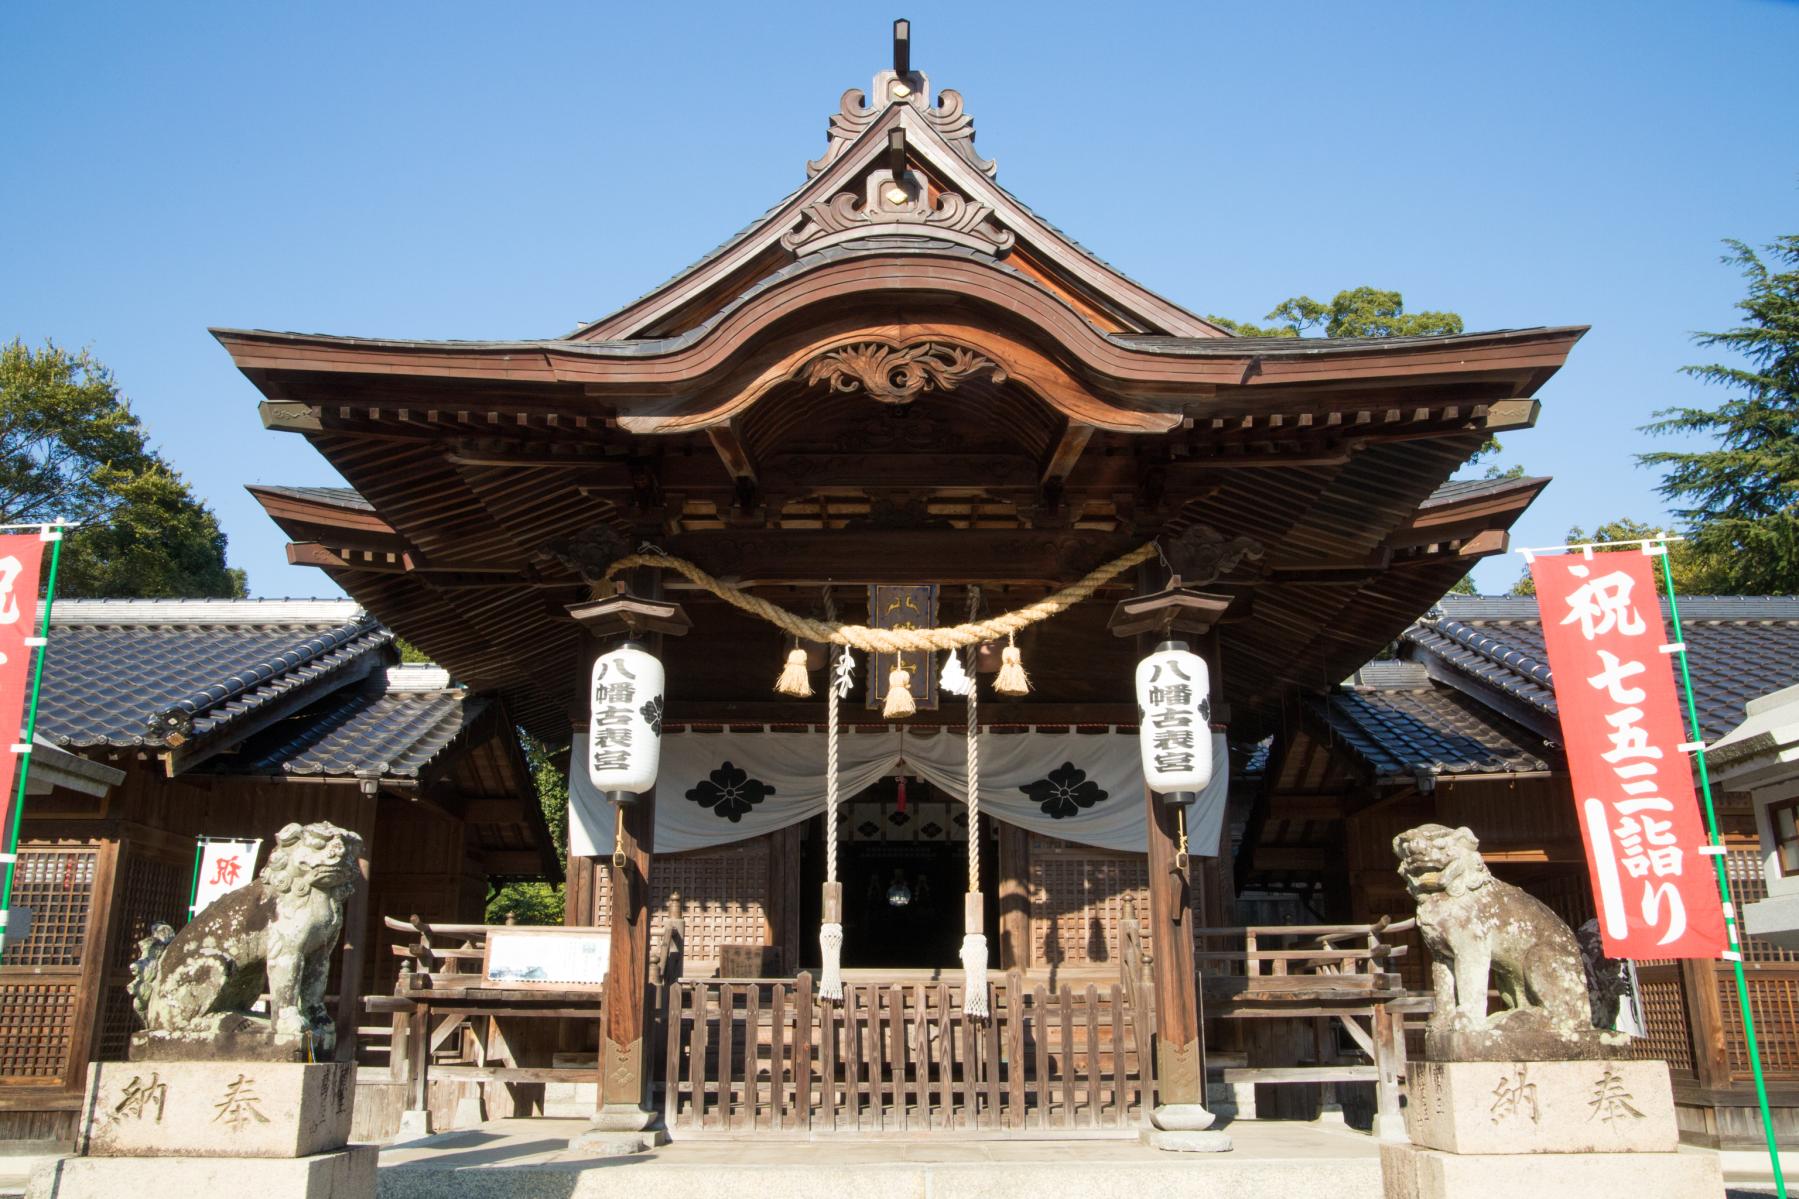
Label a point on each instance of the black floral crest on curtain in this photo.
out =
(730, 792)
(1066, 792)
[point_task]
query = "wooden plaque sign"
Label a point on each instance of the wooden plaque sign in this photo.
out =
(546, 957)
(903, 607)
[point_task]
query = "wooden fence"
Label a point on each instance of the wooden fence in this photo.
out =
(750, 1055)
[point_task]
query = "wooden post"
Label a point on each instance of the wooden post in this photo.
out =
(1705, 1018)
(623, 1092)
(1014, 898)
(357, 935)
(1388, 1029)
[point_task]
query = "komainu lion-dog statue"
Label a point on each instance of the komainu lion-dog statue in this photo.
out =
(193, 989)
(1476, 926)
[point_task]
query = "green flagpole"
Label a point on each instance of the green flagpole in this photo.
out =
(1718, 862)
(53, 534)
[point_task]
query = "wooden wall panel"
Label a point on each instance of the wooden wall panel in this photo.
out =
(725, 897)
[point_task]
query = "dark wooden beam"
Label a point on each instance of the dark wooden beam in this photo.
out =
(869, 555)
(1066, 453)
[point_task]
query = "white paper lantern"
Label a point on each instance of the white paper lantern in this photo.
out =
(1174, 712)
(624, 731)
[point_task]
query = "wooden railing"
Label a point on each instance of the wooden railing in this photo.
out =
(766, 1055)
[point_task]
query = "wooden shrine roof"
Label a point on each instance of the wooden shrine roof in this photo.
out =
(898, 373)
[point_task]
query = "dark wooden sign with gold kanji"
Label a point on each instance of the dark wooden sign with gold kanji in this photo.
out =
(911, 606)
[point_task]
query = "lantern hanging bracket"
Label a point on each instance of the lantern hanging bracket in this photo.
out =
(1171, 610)
(625, 614)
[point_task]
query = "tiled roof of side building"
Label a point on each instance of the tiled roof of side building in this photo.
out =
(133, 672)
(1739, 647)
(1414, 729)
(395, 730)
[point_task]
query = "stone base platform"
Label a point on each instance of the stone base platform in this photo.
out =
(1542, 1107)
(534, 1158)
(346, 1174)
(216, 1109)
(1414, 1173)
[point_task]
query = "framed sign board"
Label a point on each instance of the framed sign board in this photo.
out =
(546, 957)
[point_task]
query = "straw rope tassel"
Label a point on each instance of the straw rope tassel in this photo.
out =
(793, 680)
(899, 694)
(1011, 680)
(830, 929)
(974, 917)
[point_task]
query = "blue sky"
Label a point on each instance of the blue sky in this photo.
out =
(453, 170)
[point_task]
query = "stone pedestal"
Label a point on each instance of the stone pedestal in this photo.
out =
(275, 1130)
(345, 1174)
(1544, 1129)
(216, 1109)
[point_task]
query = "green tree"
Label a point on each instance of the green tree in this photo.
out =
(538, 903)
(1741, 498)
(71, 449)
(1357, 312)
(1689, 566)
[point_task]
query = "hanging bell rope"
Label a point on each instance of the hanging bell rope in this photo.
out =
(894, 641)
(974, 917)
(830, 928)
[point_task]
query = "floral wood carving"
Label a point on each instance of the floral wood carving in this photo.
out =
(1200, 554)
(895, 375)
(856, 113)
(897, 208)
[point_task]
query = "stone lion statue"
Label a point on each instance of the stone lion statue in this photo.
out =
(1476, 926)
(193, 989)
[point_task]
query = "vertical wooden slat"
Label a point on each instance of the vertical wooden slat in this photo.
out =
(1065, 1002)
(827, 1041)
(727, 1015)
(696, 1064)
(852, 1056)
(924, 1055)
(1119, 1101)
(1015, 1070)
(777, 1056)
(803, 1039)
(988, 1031)
(877, 1057)
(897, 1055)
(1094, 1101)
(671, 1093)
(752, 1053)
(947, 1043)
(1040, 1035)
(971, 1066)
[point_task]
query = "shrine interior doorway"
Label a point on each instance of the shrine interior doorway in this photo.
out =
(903, 861)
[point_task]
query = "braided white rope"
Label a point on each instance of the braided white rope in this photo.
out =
(974, 943)
(830, 933)
(893, 641)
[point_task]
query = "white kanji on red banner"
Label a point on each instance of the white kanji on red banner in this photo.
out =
(21, 554)
(1633, 784)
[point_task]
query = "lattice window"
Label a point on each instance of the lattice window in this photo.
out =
(1774, 1001)
(37, 1025)
(57, 885)
(1077, 901)
(156, 891)
(1748, 885)
(1664, 1019)
(724, 897)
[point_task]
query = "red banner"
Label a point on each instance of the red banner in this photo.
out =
(21, 555)
(1657, 895)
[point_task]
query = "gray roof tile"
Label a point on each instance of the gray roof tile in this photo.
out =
(1426, 729)
(360, 732)
(135, 683)
(1739, 647)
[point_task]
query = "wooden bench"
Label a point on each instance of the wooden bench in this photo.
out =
(448, 1019)
(1338, 973)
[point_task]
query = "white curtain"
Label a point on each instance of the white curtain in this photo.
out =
(715, 788)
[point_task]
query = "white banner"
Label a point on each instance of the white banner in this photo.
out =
(225, 865)
(715, 788)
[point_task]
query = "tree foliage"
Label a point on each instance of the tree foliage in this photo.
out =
(1687, 564)
(1740, 499)
(71, 449)
(1357, 312)
(538, 903)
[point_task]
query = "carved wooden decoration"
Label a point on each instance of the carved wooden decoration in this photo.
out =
(902, 207)
(1199, 554)
(896, 374)
(857, 112)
